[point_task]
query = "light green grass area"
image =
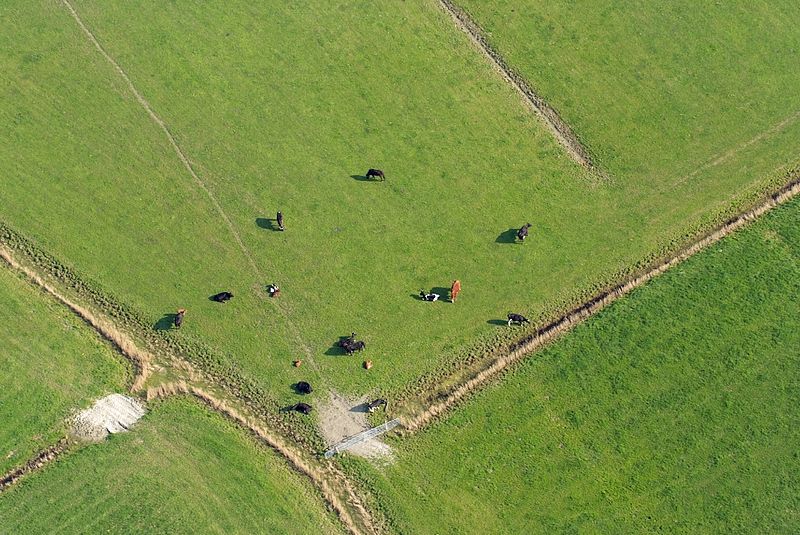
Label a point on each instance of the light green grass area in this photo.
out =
(673, 411)
(277, 104)
(182, 469)
(51, 363)
(659, 90)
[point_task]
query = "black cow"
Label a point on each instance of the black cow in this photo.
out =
(178, 321)
(356, 345)
(222, 297)
(523, 232)
(280, 221)
(519, 319)
(376, 173)
(303, 408)
(372, 407)
(304, 388)
(344, 342)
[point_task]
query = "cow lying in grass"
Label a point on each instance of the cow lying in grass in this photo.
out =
(428, 296)
(303, 408)
(519, 319)
(304, 388)
(222, 297)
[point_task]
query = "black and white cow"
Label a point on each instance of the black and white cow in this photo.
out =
(519, 319)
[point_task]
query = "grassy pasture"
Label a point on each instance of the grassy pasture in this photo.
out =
(658, 90)
(675, 410)
(182, 469)
(279, 105)
(51, 364)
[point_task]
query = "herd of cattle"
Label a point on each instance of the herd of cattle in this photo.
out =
(349, 343)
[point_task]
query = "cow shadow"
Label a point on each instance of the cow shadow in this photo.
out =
(336, 350)
(166, 323)
(503, 323)
(266, 223)
(507, 236)
(361, 407)
(363, 178)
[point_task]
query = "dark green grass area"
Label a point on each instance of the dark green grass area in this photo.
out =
(284, 106)
(182, 469)
(50, 365)
(659, 90)
(673, 411)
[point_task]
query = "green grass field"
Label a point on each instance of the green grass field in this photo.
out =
(657, 91)
(182, 469)
(673, 411)
(52, 364)
(277, 105)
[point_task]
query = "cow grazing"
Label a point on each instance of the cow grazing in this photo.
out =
(519, 319)
(372, 407)
(178, 320)
(303, 408)
(222, 297)
(376, 173)
(280, 221)
(304, 388)
(428, 296)
(356, 345)
(273, 290)
(523, 232)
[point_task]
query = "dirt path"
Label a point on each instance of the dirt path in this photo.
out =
(560, 129)
(546, 334)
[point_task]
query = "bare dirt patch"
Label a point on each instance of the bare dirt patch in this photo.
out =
(341, 418)
(111, 414)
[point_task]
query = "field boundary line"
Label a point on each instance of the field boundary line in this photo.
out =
(160, 122)
(141, 359)
(188, 165)
(557, 126)
(43, 458)
(549, 332)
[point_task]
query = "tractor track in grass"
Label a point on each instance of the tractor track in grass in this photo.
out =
(721, 158)
(557, 126)
(162, 125)
(145, 104)
(43, 458)
(440, 401)
(336, 489)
